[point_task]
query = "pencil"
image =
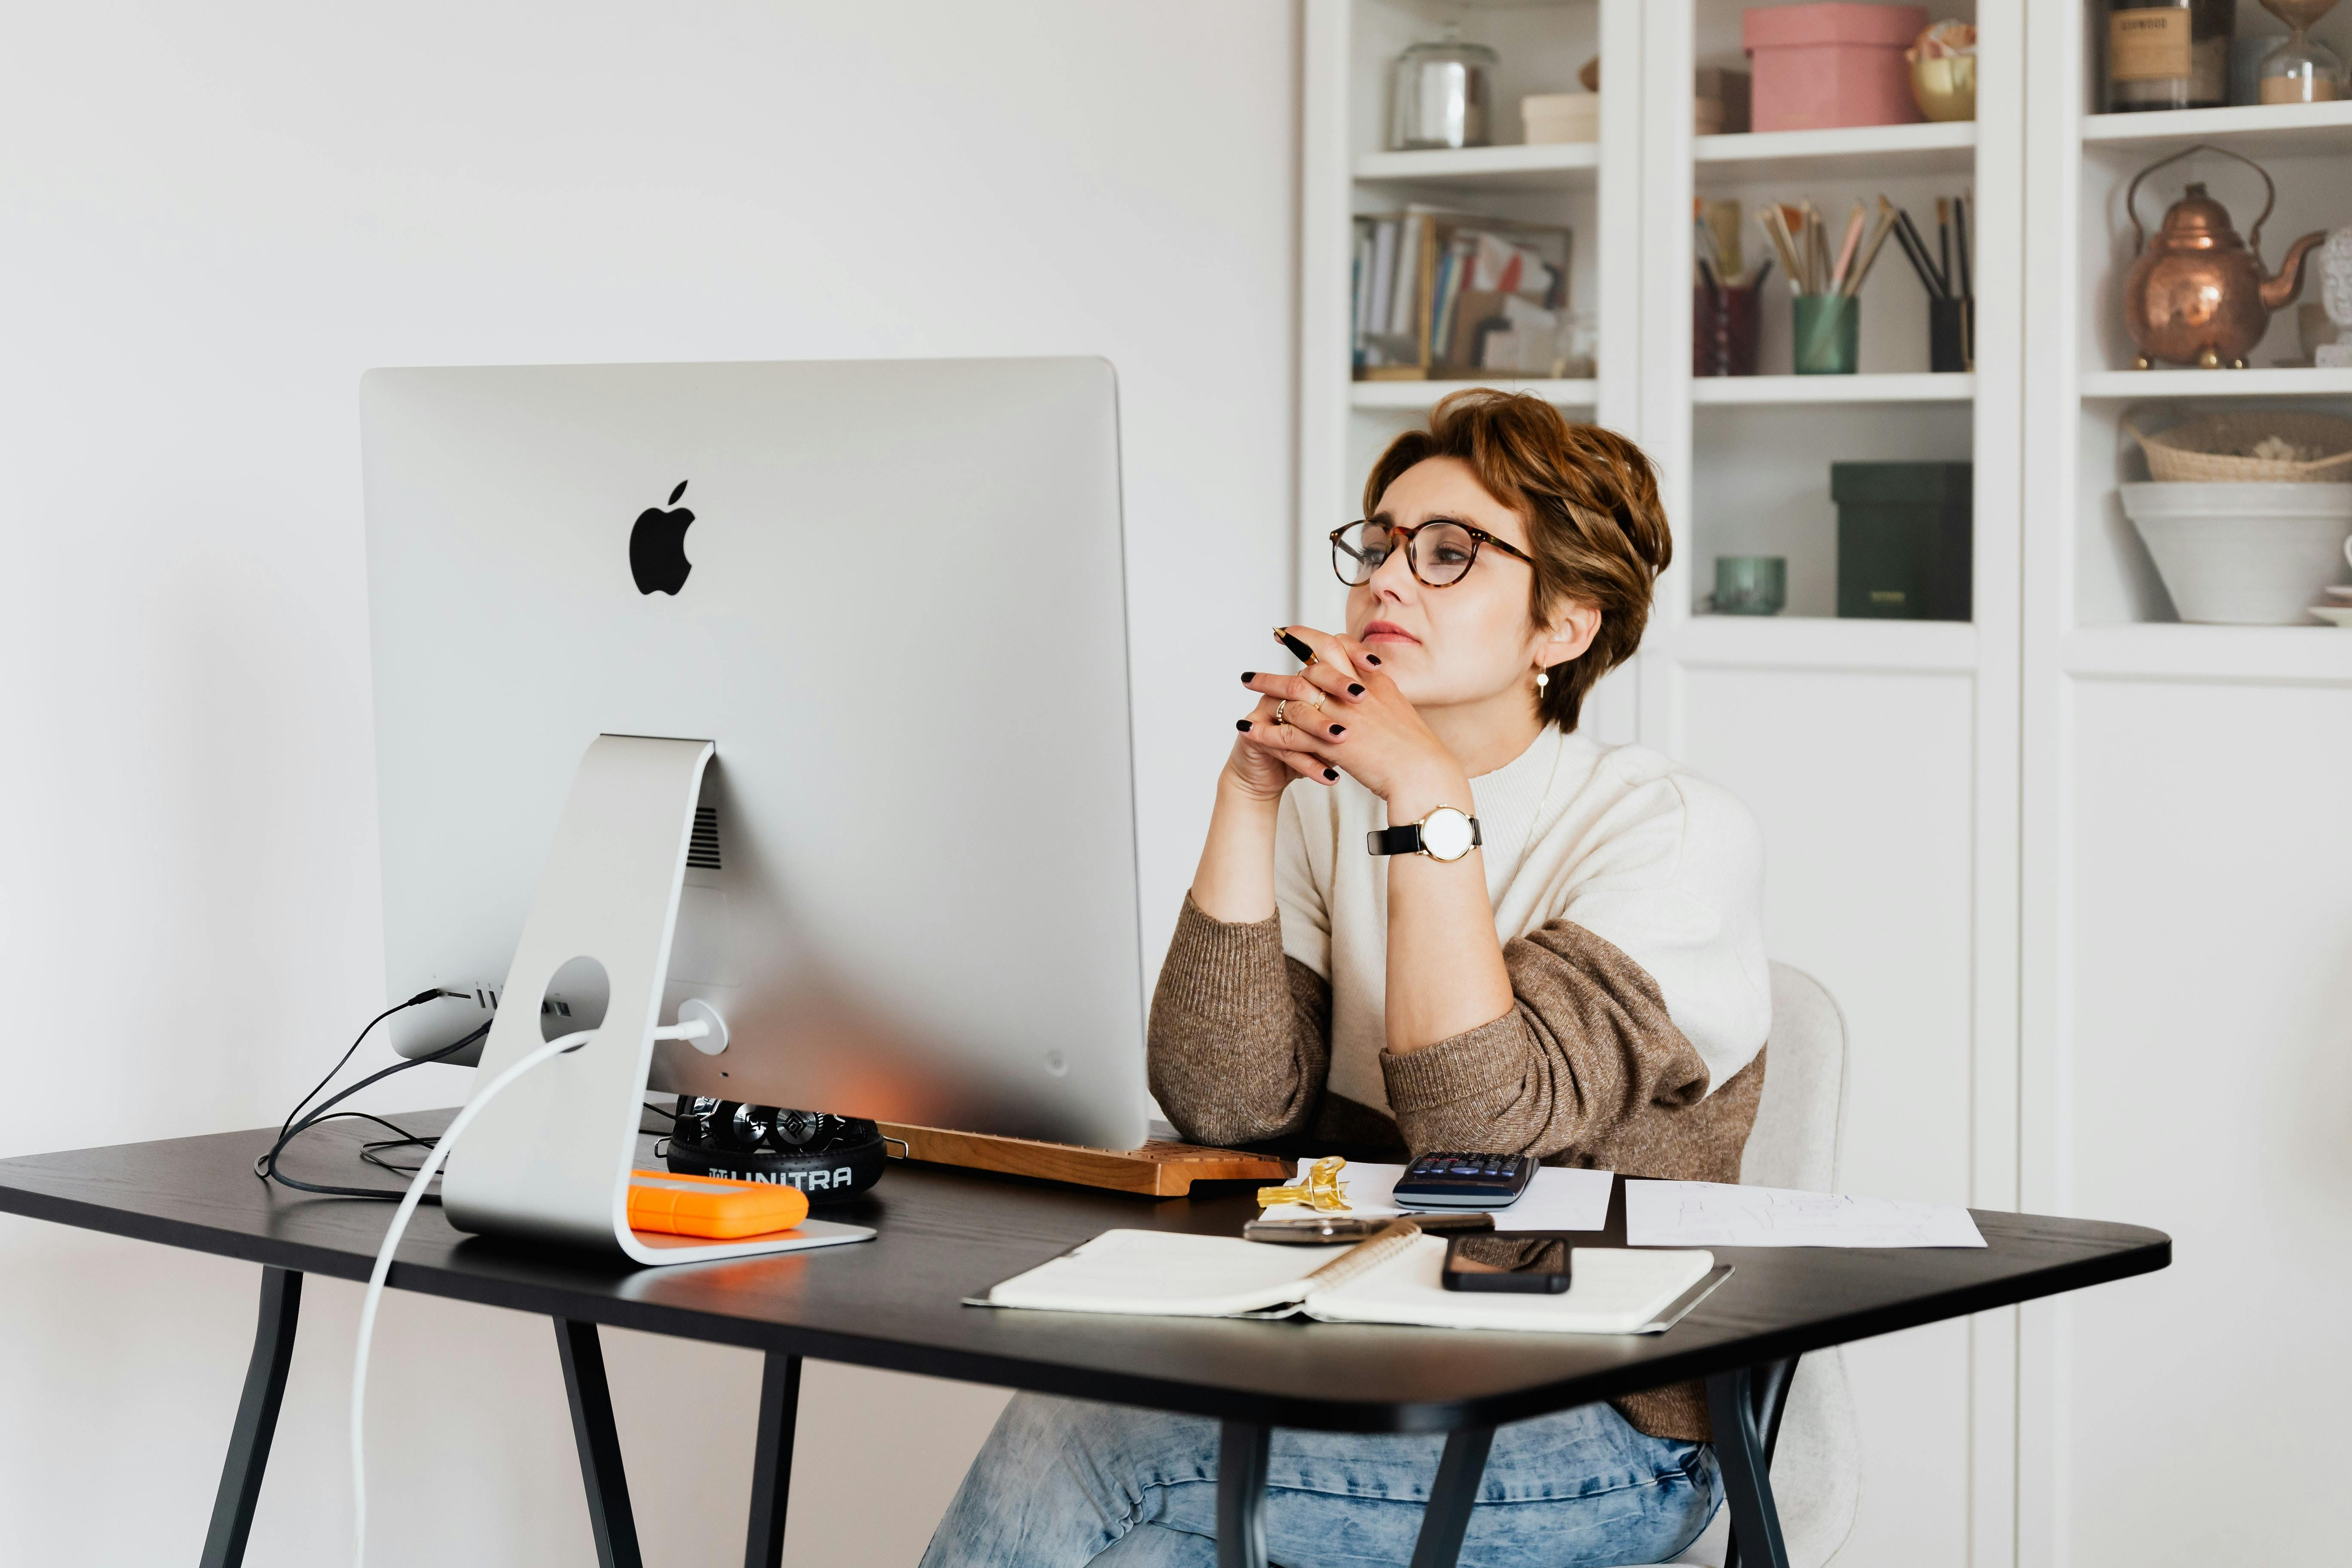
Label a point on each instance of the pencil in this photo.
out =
(1944, 242)
(1961, 238)
(1846, 250)
(1878, 234)
(1917, 250)
(1769, 220)
(1724, 218)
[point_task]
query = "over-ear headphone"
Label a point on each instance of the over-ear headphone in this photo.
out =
(827, 1157)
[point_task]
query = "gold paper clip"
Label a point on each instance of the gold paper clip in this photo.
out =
(1319, 1189)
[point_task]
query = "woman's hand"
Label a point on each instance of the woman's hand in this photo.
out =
(1364, 728)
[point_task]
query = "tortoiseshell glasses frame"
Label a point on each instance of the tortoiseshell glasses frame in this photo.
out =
(1350, 565)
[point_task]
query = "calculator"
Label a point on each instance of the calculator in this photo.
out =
(1465, 1180)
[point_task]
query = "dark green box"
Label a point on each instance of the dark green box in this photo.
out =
(1906, 540)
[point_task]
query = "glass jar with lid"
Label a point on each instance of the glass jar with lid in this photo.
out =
(1443, 95)
(2169, 54)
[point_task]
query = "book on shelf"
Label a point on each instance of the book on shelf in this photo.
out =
(1453, 294)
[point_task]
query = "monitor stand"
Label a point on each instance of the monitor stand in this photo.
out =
(549, 1160)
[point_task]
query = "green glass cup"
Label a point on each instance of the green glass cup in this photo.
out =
(1829, 333)
(1751, 584)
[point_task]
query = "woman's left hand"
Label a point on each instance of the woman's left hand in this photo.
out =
(1385, 746)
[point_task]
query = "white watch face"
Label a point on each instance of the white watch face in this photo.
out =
(1445, 834)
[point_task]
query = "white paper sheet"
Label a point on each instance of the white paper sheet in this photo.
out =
(1710, 1214)
(1559, 1198)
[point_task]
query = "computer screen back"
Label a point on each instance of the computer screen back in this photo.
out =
(898, 606)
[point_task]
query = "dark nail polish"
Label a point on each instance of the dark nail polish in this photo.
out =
(1248, 676)
(1371, 659)
(1354, 691)
(1339, 728)
(1241, 724)
(1331, 774)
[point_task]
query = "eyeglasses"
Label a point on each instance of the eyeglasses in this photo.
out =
(1440, 553)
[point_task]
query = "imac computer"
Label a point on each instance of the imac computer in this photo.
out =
(886, 600)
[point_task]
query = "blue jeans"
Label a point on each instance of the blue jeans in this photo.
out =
(1062, 1483)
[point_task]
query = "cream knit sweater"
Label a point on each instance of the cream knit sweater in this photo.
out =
(1620, 840)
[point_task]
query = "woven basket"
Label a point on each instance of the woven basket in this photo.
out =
(2213, 448)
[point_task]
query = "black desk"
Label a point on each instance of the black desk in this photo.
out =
(945, 1235)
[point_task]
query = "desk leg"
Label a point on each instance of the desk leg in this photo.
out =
(1446, 1519)
(772, 1461)
(609, 1515)
(256, 1419)
(1744, 1408)
(1242, 1448)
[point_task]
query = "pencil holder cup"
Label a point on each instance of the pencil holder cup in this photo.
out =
(1723, 330)
(1828, 334)
(1750, 584)
(1951, 334)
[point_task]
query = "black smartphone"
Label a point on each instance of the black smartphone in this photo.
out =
(1535, 1264)
(1326, 1229)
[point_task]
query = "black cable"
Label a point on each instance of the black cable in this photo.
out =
(432, 995)
(265, 1167)
(297, 1122)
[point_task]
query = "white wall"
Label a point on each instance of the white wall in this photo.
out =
(212, 219)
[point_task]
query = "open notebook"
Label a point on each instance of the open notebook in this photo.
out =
(1389, 1280)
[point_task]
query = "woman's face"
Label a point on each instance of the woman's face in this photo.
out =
(1469, 641)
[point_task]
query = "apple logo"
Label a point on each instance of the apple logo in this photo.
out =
(657, 547)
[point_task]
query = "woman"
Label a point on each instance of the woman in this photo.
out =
(1578, 973)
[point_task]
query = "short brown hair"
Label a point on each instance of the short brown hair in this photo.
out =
(1590, 499)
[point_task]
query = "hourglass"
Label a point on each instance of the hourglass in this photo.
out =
(2302, 70)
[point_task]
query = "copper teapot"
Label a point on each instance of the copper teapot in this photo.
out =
(2197, 294)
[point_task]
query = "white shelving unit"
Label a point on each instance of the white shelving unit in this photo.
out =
(1919, 386)
(2258, 131)
(1811, 643)
(1419, 395)
(2130, 385)
(1878, 151)
(2165, 821)
(1569, 165)
(2025, 851)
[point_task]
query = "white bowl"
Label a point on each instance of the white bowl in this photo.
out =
(2337, 615)
(2243, 554)
(2339, 590)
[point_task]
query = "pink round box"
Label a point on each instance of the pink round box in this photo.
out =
(1830, 65)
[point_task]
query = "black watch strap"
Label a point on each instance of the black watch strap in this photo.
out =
(1406, 840)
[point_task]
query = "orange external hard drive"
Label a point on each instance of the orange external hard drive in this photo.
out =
(711, 1208)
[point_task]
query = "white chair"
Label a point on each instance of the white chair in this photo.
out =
(1817, 1460)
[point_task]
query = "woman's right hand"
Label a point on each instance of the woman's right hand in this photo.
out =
(1235, 879)
(1267, 756)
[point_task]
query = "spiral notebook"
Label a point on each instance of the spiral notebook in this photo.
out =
(1391, 1279)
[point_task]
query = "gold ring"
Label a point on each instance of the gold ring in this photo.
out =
(1277, 711)
(1316, 702)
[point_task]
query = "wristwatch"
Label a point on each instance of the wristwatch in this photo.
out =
(1444, 834)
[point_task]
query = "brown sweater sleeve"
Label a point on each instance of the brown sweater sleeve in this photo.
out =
(1587, 1068)
(1240, 1040)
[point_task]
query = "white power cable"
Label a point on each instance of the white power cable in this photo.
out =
(693, 1030)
